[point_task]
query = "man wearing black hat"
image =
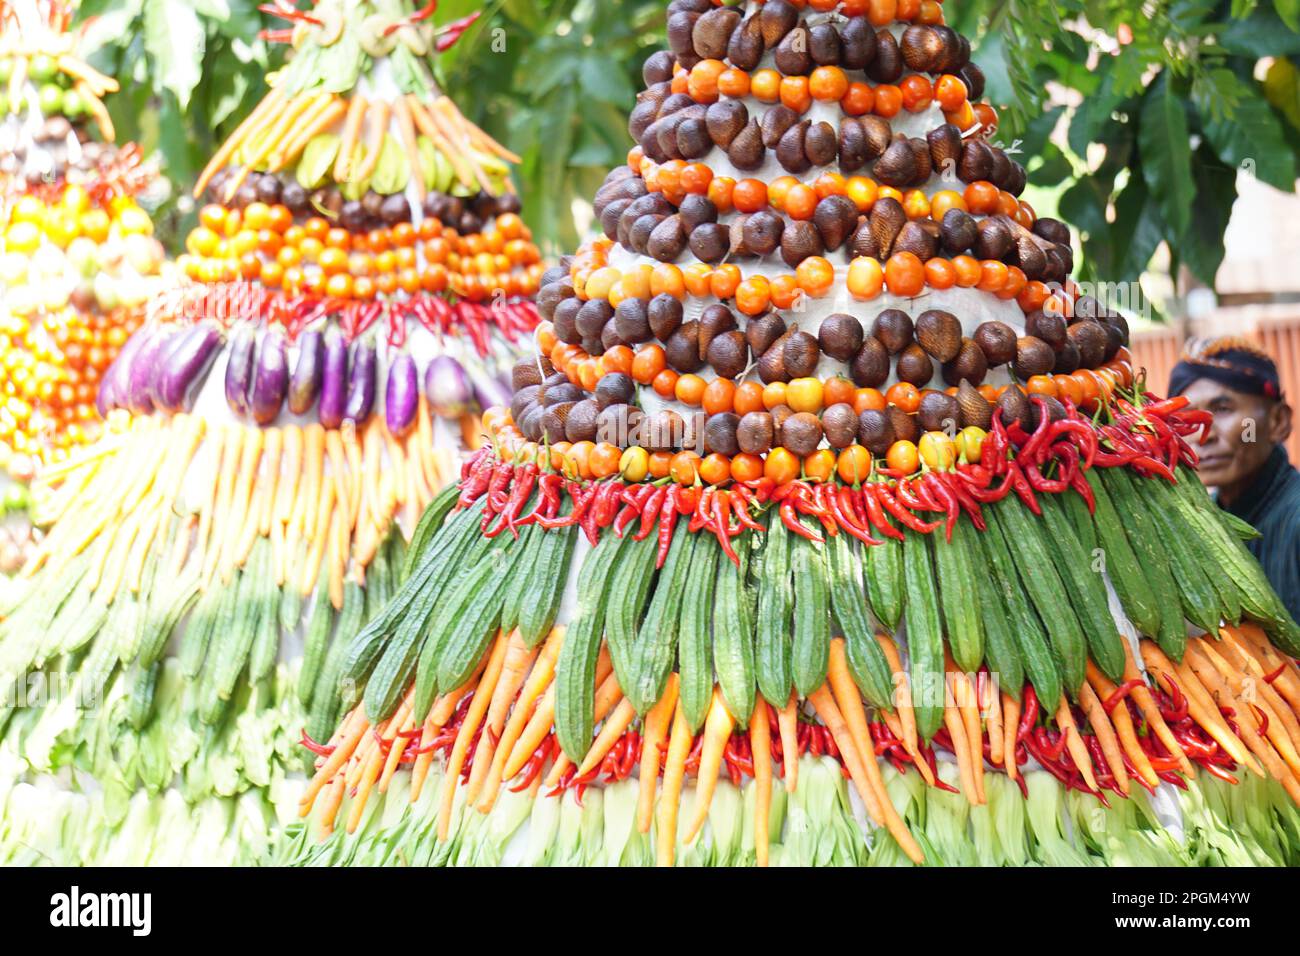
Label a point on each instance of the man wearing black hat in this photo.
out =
(1245, 460)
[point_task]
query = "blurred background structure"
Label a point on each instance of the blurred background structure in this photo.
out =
(1166, 133)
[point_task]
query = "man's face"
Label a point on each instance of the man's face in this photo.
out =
(1242, 434)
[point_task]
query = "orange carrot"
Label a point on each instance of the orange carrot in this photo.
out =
(353, 731)
(717, 731)
(824, 704)
(319, 118)
(1123, 724)
(1010, 725)
(348, 139)
(849, 701)
(760, 743)
(991, 707)
(787, 722)
(221, 158)
(333, 799)
(902, 693)
(952, 720)
(1074, 744)
(968, 707)
(657, 722)
(1105, 734)
(375, 140)
(1150, 712)
(1246, 694)
(539, 677)
(679, 747)
(517, 661)
(610, 732)
(406, 130)
(473, 718)
(439, 714)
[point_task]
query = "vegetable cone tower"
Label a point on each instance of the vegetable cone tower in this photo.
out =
(79, 259)
(826, 490)
(283, 415)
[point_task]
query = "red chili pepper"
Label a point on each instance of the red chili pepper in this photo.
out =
(1027, 453)
(902, 514)
(721, 524)
(1020, 485)
(792, 523)
(1274, 675)
(476, 482)
(741, 501)
(1163, 407)
(524, 482)
(1028, 712)
(650, 509)
(668, 515)
(944, 496)
(907, 491)
(841, 505)
(702, 516)
(871, 499)
(321, 750)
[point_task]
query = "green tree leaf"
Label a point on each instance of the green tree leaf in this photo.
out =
(1166, 154)
(1201, 246)
(1251, 139)
(175, 38)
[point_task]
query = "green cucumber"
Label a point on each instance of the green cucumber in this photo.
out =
(694, 640)
(867, 662)
(1143, 538)
(884, 574)
(1026, 629)
(772, 632)
(629, 591)
(733, 634)
(1122, 564)
(327, 697)
(528, 544)
(316, 640)
(537, 616)
(656, 639)
(575, 670)
(1198, 595)
(1042, 581)
(1087, 589)
(955, 571)
(1081, 520)
(924, 634)
(811, 630)
(430, 523)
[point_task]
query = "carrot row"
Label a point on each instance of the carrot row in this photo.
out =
(318, 496)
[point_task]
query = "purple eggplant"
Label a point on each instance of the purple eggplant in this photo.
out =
(113, 386)
(144, 370)
(361, 381)
(239, 369)
(185, 366)
(334, 378)
(304, 384)
(492, 391)
(401, 394)
(271, 377)
(447, 387)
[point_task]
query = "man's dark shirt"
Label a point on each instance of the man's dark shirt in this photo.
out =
(1272, 504)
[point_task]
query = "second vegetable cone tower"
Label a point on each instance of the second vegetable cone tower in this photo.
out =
(786, 547)
(350, 300)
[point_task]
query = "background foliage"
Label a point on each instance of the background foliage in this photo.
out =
(1135, 118)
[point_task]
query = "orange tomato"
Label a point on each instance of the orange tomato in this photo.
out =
(836, 390)
(747, 398)
(854, 465)
(719, 396)
(781, 466)
(1042, 385)
(905, 396)
(868, 399)
(685, 467)
(665, 383)
(660, 463)
(690, 389)
(865, 278)
(647, 363)
(905, 274)
(903, 457)
(745, 467)
(715, 468)
(604, 459)
(774, 394)
(820, 465)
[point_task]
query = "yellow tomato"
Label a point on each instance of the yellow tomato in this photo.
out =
(969, 442)
(804, 394)
(937, 450)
